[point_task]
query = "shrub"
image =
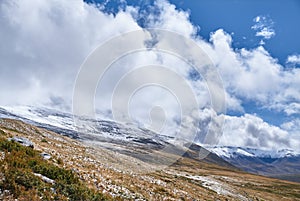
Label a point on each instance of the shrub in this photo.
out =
(44, 140)
(20, 164)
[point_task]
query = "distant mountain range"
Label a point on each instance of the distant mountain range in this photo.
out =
(284, 163)
(235, 152)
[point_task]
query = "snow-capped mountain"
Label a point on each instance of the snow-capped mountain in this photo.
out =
(53, 120)
(39, 115)
(132, 140)
(126, 139)
(235, 152)
(283, 163)
(63, 123)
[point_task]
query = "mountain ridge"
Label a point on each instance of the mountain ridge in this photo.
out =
(231, 152)
(186, 179)
(135, 142)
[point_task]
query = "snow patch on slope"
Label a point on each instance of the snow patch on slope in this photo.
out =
(43, 116)
(211, 183)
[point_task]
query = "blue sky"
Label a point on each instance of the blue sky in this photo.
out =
(238, 18)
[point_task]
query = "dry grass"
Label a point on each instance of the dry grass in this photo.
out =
(117, 175)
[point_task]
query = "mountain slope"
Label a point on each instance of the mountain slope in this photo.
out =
(126, 139)
(145, 145)
(25, 172)
(187, 179)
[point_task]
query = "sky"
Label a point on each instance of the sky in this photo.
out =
(252, 44)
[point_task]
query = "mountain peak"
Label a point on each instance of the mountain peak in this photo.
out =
(233, 152)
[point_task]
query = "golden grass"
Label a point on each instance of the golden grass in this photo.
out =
(116, 175)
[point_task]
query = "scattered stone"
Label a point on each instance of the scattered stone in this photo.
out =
(23, 141)
(2, 155)
(44, 178)
(45, 156)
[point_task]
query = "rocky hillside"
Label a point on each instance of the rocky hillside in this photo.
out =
(118, 176)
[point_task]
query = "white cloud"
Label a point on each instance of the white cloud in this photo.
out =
(43, 44)
(293, 59)
(251, 131)
(248, 131)
(171, 18)
(290, 109)
(254, 75)
(293, 127)
(257, 19)
(263, 27)
(60, 47)
(266, 33)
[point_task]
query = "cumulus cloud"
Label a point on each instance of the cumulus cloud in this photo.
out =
(170, 18)
(263, 27)
(266, 33)
(293, 127)
(251, 131)
(247, 131)
(44, 43)
(293, 59)
(254, 75)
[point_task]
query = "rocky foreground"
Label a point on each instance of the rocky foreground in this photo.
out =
(122, 177)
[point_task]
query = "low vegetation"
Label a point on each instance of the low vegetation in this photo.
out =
(20, 166)
(98, 174)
